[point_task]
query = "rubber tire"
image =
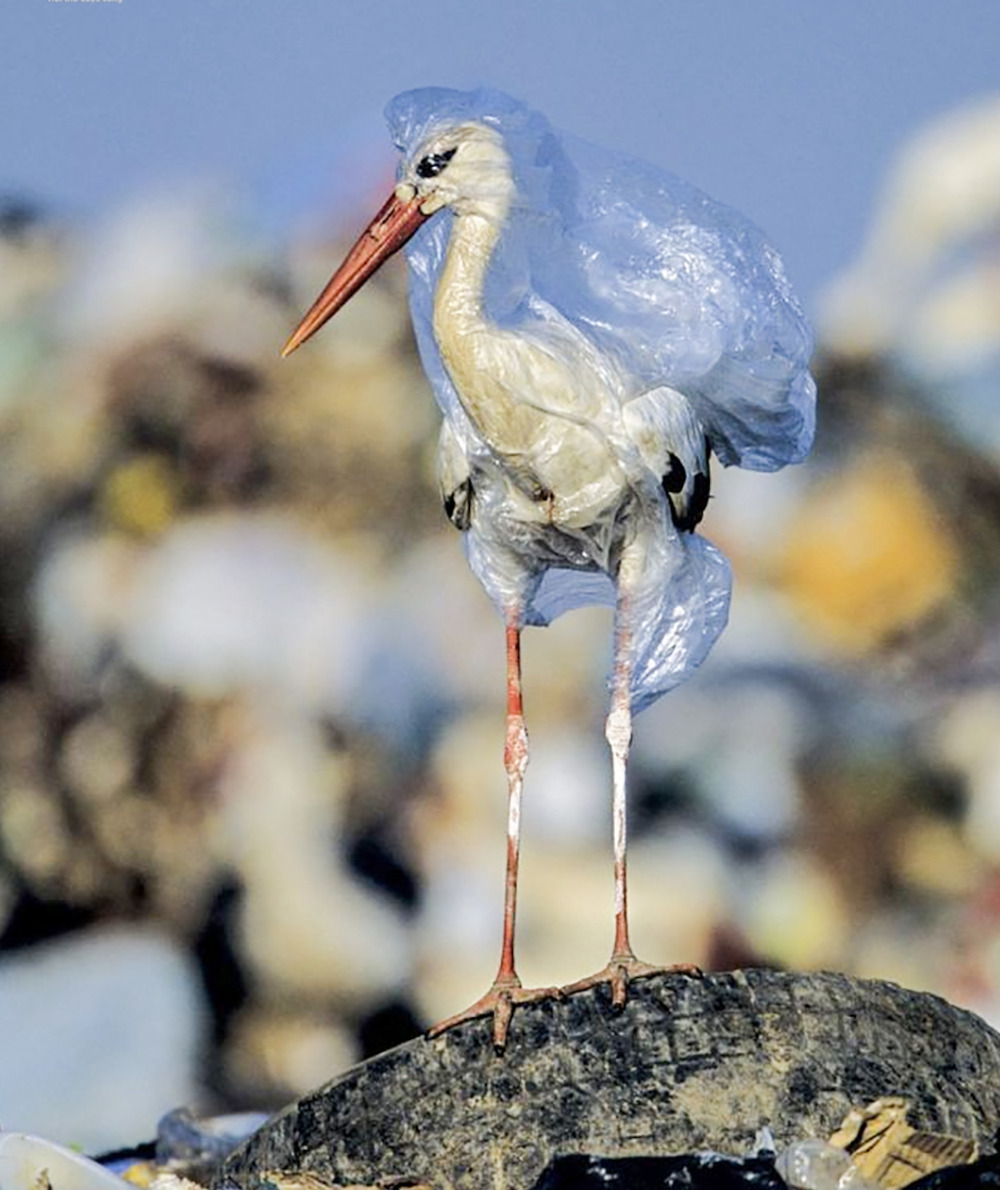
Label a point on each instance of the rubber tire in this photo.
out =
(689, 1064)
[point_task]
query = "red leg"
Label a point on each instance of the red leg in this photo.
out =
(506, 990)
(623, 966)
(515, 763)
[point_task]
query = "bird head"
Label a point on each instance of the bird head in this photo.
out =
(464, 167)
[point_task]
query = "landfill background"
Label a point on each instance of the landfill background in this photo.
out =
(252, 805)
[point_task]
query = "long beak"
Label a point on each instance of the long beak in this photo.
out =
(390, 229)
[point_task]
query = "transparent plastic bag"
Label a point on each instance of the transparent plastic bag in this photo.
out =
(617, 270)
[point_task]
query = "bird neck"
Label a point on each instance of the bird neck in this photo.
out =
(458, 299)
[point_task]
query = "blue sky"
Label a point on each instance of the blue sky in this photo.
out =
(788, 109)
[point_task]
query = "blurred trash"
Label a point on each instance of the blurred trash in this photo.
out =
(243, 706)
(102, 1032)
(31, 1163)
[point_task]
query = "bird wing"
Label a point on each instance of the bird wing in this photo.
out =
(454, 478)
(685, 292)
(665, 429)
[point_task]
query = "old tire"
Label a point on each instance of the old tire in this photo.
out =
(689, 1064)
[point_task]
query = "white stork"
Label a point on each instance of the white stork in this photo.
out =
(593, 329)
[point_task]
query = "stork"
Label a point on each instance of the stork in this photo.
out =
(593, 329)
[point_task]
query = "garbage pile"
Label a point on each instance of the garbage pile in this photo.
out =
(251, 700)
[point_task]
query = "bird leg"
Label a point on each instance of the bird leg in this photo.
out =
(506, 990)
(623, 966)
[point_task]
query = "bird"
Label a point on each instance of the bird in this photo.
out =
(595, 330)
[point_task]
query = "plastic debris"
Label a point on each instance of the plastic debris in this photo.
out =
(187, 1139)
(187, 1150)
(815, 1164)
(763, 1143)
(695, 1171)
(31, 1163)
(893, 1153)
(104, 986)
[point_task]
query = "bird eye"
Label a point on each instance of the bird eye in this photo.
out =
(431, 165)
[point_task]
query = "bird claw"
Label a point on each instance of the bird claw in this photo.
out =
(621, 971)
(499, 1002)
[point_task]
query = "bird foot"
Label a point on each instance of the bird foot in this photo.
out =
(499, 1002)
(621, 970)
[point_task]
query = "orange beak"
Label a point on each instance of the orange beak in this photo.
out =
(386, 234)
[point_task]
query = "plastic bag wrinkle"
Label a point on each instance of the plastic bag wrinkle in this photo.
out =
(637, 275)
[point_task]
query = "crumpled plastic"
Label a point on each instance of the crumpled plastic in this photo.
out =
(671, 291)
